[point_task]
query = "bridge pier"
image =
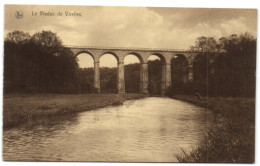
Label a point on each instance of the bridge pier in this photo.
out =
(190, 72)
(144, 78)
(96, 77)
(168, 77)
(163, 83)
(121, 78)
(141, 82)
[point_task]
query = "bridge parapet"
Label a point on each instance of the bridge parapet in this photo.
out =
(137, 49)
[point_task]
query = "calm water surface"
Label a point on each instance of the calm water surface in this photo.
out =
(152, 129)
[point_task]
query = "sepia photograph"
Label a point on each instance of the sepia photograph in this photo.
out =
(129, 84)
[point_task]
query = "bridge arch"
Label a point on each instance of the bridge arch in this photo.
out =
(133, 74)
(86, 63)
(179, 73)
(182, 56)
(108, 73)
(134, 54)
(157, 74)
(159, 55)
(111, 53)
(84, 52)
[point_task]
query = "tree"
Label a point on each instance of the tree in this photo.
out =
(17, 37)
(234, 70)
(205, 44)
(39, 64)
(46, 38)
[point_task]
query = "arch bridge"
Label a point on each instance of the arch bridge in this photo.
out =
(166, 55)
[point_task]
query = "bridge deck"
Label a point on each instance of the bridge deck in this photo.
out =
(135, 49)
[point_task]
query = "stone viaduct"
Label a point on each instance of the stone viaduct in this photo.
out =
(166, 55)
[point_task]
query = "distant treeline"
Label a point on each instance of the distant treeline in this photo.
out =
(108, 78)
(41, 64)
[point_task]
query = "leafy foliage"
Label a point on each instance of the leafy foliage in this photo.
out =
(230, 74)
(17, 37)
(35, 66)
(205, 44)
(235, 70)
(46, 39)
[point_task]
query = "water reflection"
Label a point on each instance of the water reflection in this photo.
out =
(148, 130)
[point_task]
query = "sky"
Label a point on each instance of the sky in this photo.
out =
(144, 27)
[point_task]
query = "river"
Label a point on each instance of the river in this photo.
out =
(152, 129)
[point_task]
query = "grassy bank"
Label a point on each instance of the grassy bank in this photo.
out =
(231, 137)
(22, 108)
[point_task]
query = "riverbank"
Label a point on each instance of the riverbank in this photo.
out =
(231, 137)
(21, 109)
